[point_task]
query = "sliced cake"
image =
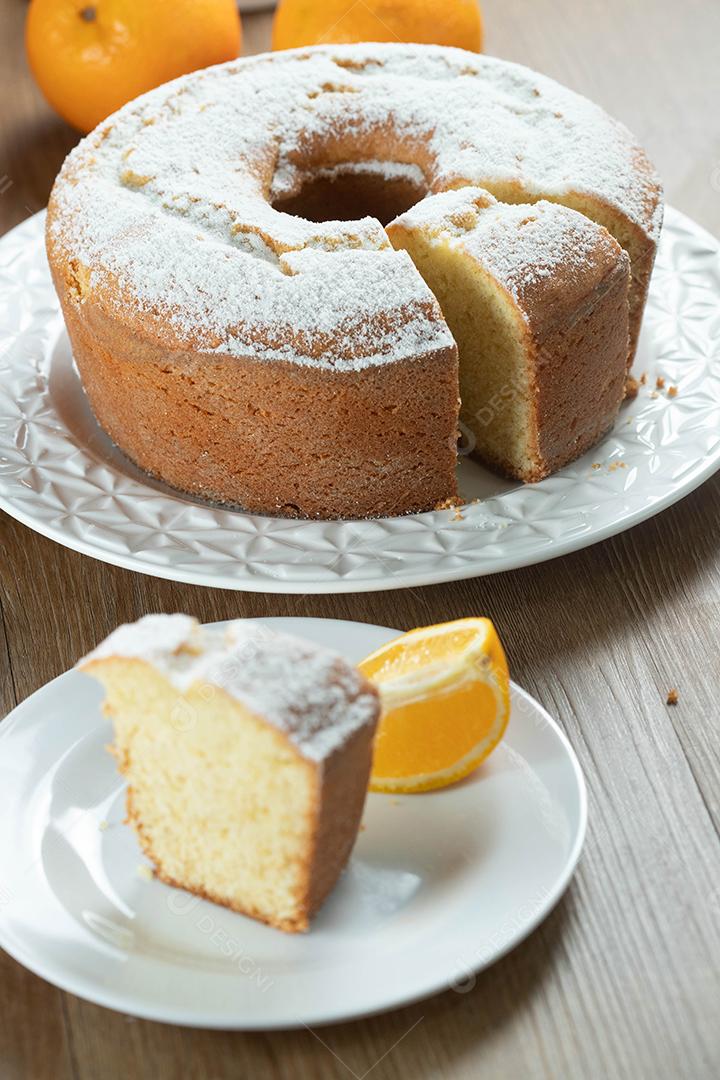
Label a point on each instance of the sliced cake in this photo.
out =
(536, 297)
(247, 755)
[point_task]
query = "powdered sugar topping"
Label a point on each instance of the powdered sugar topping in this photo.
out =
(309, 693)
(521, 246)
(169, 202)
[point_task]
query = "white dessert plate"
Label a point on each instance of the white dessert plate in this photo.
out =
(439, 885)
(60, 475)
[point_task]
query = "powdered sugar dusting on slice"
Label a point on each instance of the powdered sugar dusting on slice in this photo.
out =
(309, 693)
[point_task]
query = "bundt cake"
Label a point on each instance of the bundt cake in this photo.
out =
(250, 259)
(247, 755)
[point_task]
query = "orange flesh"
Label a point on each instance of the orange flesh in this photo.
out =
(434, 734)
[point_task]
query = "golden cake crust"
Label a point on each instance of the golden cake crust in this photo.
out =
(273, 436)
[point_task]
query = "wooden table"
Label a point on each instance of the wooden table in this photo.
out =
(619, 981)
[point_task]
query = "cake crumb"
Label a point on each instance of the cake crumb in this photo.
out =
(631, 387)
(617, 465)
(454, 502)
(643, 378)
(597, 465)
(672, 391)
(654, 394)
(145, 872)
(673, 697)
(103, 825)
(659, 383)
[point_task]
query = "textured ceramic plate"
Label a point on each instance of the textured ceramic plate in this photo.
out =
(60, 475)
(438, 886)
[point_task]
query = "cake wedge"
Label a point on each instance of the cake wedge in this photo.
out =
(536, 297)
(247, 755)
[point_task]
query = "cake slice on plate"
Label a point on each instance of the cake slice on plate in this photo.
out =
(247, 755)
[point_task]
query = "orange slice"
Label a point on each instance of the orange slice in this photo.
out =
(445, 691)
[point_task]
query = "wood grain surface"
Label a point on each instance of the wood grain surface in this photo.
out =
(621, 980)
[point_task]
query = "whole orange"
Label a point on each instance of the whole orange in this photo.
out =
(434, 22)
(90, 58)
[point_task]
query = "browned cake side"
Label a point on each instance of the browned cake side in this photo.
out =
(272, 437)
(342, 789)
(578, 367)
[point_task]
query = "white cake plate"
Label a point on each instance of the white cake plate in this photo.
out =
(60, 475)
(439, 885)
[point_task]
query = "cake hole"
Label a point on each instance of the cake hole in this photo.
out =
(357, 190)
